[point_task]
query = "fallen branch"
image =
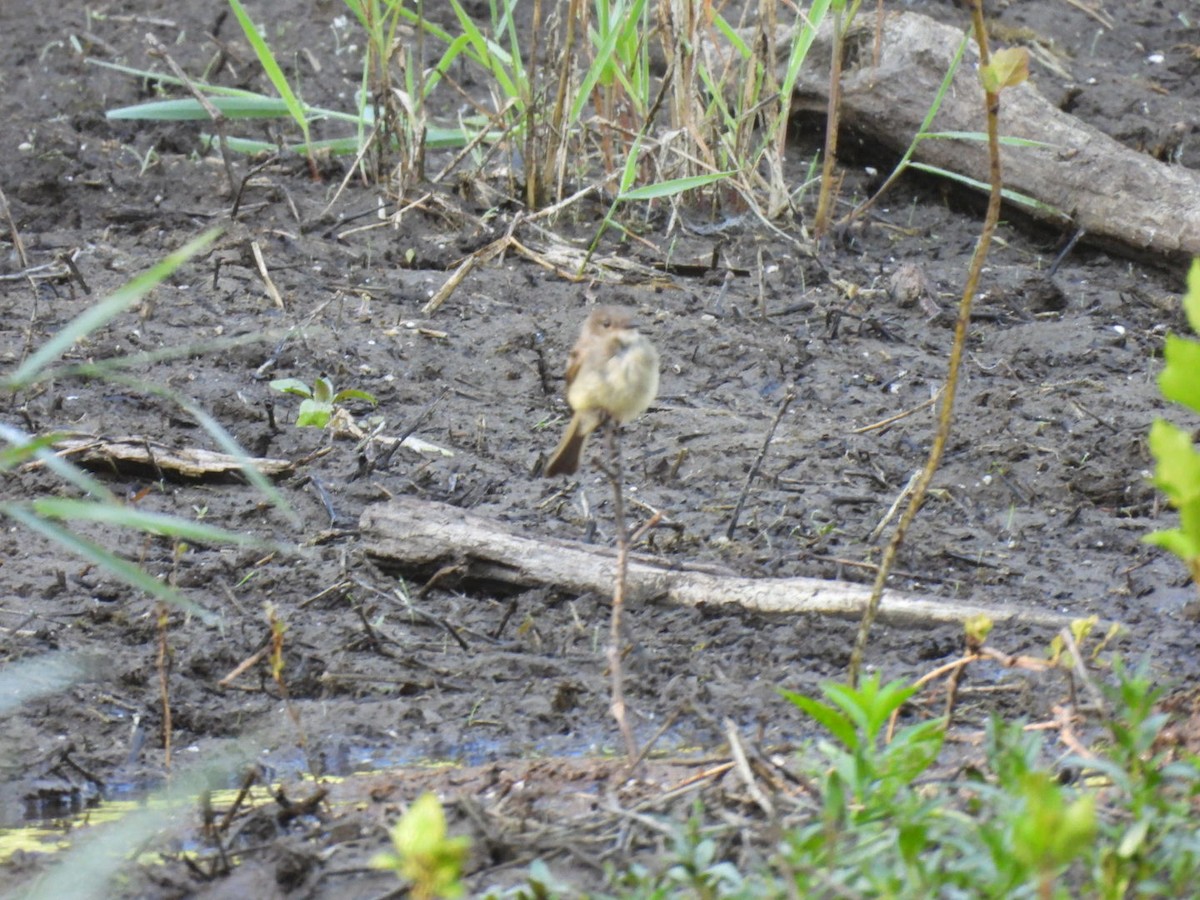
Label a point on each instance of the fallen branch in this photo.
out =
(408, 533)
(1116, 194)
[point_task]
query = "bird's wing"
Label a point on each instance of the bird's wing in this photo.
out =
(573, 362)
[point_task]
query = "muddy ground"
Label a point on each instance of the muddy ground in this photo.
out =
(1041, 502)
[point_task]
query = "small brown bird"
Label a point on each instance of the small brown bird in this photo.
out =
(612, 373)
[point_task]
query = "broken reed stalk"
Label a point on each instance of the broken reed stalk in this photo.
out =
(841, 24)
(946, 410)
(164, 673)
(276, 658)
(615, 673)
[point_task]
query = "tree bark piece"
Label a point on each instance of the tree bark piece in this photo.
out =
(408, 533)
(1116, 194)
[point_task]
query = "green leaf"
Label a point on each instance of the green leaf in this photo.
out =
(913, 750)
(314, 414)
(291, 386)
(1191, 300)
(323, 390)
(833, 721)
(978, 628)
(1177, 473)
(353, 394)
(1180, 377)
(869, 706)
(1007, 68)
(1134, 839)
(425, 854)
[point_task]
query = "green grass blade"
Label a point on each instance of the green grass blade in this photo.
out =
(1010, 195)
(981, 137)
(141, 520)
(356, 7)
(730, 34)
(436, 138)
(800, 47)
(189, 109)
(226, 442)
(270, 66)
(673, 186)
(598, 72)
(337, 146)
(61, 467)
(103, 312)
(488, 54)
(131, 574)
(24, 449)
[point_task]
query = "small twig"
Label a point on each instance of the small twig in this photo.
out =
(218, 118)
(954, 668)
(1098, 14)
(1065, 252)
(1080, 669)
(272, 291)
(891, 513)
(326, 500)
(884, 423)
(18, 244)
(742, 767)
(276, 646)
(246, 664)
(663, 729)
(68, 260)
(248, 781)
(762, 454)
(241, 191)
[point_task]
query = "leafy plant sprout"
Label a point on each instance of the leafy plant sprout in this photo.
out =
(321, 401)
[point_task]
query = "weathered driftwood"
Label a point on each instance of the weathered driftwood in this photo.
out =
(134, 453)
(1116, 194)
(409, 533)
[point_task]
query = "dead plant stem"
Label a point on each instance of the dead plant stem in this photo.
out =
(841, 24)
(164, 681)
(946, 409)
(615, 672)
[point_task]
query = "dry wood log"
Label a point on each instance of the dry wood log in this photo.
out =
(1116, 194)
(409, 533)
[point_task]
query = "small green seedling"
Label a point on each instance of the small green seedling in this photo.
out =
(320, 401)
(423, 853)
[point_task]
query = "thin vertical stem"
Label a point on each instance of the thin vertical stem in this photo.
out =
(615, 672)
(946, 410)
